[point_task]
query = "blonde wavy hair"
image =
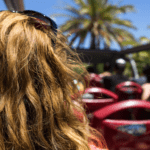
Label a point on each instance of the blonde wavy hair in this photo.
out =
(36, 79)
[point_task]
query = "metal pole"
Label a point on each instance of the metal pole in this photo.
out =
(134, 67)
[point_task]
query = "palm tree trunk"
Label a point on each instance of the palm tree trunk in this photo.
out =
(93, 40)
(98, 43)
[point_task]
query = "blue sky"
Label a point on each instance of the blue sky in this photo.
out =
(140, 18)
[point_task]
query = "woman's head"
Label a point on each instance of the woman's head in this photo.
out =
(36, 80)
(120, 65)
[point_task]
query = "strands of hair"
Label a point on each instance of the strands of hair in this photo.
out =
(36, 79)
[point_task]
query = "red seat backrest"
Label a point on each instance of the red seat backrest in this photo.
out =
(99, 101)
(101, 93)
(128, 90)
(123, 133)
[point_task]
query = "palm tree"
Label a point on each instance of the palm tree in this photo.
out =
(99, 19)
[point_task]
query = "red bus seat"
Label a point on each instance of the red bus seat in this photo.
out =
(123, 134)
(101, 97)
(128, 90)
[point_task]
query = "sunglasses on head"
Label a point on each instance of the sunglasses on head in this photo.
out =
(41, 20)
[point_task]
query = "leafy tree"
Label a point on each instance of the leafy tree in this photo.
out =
(100, 20)
(141, 58)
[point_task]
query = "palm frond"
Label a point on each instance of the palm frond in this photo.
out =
(74, 11)
(125, 23)
(125, 9)
(80, 3)
(71, 24)
(73, 39)
(62, 15)
(82, 36)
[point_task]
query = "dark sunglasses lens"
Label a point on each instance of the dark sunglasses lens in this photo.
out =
(54, 24)
(42, 17)
(36, 15)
